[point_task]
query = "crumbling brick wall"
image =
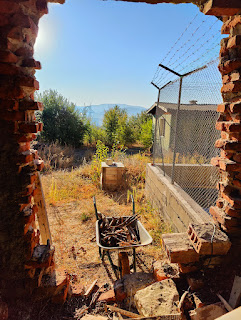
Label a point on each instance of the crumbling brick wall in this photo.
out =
(18, 127)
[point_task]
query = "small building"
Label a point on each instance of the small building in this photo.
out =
(193, 118)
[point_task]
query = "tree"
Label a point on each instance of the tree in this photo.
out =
(62, 122)
(137, 122)
(146, 134)
(111, 123)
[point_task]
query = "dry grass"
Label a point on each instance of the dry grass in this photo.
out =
(69, 197)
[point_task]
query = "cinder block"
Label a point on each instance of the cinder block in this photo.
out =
(208, 239)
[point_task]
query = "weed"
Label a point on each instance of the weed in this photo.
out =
(84, 217)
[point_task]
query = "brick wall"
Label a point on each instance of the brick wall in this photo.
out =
(19, 164)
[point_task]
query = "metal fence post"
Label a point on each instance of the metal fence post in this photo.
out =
(176, 131)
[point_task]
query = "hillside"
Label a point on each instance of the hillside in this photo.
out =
(96, 112)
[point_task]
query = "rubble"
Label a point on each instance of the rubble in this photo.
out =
(210, 312)
(160, 298)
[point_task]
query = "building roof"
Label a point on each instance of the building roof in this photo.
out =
(167, 107)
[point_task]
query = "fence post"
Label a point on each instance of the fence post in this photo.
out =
(176, 131)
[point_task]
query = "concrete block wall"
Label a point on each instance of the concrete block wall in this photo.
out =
(176, 207)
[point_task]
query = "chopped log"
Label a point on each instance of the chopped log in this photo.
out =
(235, 295)
(124, 263)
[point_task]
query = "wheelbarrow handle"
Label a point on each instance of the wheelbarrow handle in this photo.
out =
(96, 212)
(133, 204)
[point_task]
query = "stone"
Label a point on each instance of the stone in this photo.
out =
(160, 298)
(119, 289)
(136, 281)
(163, 270)
(210, 312)
(195, 281)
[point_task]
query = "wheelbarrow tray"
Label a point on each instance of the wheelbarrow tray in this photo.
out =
(145, 238)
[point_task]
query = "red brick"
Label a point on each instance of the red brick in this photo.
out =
(229, 66)
(232, 212)
(179, 248)
(234, 42)
(234, 201)
(220, 203)
(42, 6)
(7, 56)
(16, 34)
(230, 23)
(237, 157)
(235, 76)
(8, 7)
(25, 157)
(229, 165)
(8, 105)
(4, 20)
(228, 126)
(231, 87)
(40, 126)
(225, 79)
(108, 296)
(26, 51)
(10, 69)
(28, 82)
(24, 147)
(224, 107)
(31, 63)
(235, 107)
(29, 127)
(30, 105)
(13, 115)
(25, 137)
(227, 145)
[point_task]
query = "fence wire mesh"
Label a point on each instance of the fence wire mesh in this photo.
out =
(184, 139)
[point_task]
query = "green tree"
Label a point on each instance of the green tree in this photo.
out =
(146, 134)
(137, 122)
(124, 132)
(62, 121)
(111, 123)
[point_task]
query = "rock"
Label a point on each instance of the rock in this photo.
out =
(136, 281)
(210, 312)
(108, 296)
(160, 298)
(163, 270)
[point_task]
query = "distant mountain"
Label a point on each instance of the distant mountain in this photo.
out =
(96, 112)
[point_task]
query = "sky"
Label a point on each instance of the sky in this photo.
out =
(95, 52)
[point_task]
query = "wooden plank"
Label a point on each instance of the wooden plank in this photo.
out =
(235, 295)
(91, 288)
(226, 305)
(42, 212)
(124, 312)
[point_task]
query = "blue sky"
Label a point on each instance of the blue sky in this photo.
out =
(95, 51)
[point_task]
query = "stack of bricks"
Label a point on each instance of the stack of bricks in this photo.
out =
(227, 211)
(202, 246)
(20, 270)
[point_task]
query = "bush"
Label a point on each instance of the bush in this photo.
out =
(62, 122)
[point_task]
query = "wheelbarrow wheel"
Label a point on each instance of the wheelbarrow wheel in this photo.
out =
(124, 263)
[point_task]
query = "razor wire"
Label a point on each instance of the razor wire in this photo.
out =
(195, 136)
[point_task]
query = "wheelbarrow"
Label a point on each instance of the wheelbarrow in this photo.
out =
(143, 237)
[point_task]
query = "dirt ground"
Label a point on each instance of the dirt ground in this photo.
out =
(76, 250)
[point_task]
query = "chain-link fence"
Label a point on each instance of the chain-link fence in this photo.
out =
(185, 133)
